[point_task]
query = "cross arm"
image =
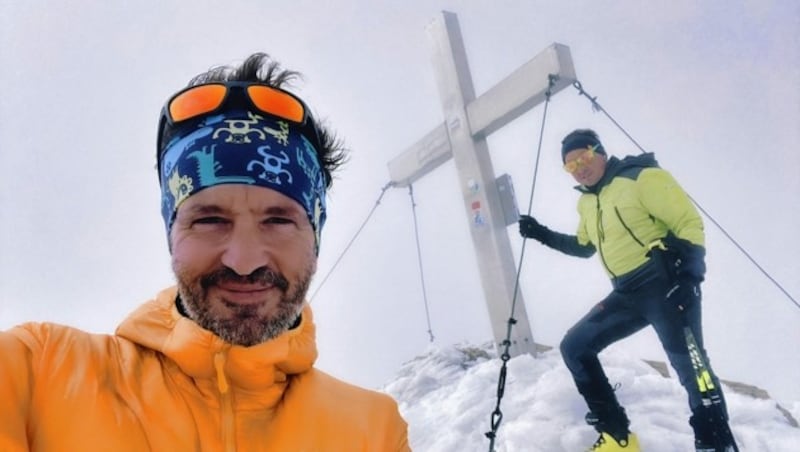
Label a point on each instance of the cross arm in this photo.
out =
(521, 90)
(421, 158)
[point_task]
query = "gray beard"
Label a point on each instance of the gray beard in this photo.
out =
(245, 327)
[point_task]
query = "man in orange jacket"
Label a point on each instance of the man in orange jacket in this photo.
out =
(224, 361)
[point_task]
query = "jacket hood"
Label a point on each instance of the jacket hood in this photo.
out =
(157, 325)
(630, 164)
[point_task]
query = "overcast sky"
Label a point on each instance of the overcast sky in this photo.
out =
(710, 87)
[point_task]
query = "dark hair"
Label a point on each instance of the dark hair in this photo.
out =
(581, 138)
(259, 67)
(582, 133)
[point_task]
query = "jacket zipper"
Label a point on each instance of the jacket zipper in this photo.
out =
(226, 404)
(630, 231)
(601, 237)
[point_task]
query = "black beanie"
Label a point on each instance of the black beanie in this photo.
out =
(581, 139)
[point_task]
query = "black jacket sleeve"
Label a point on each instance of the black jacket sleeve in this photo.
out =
(567, 244)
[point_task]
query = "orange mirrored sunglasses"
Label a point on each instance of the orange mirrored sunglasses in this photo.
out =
(584, 159)
(202, 100)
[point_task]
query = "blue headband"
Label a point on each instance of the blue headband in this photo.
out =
(243, 148)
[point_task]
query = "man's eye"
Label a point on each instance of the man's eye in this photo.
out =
(278, 220)
(210, 220)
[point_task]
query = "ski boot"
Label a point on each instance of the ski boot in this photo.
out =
(614, 433)
(608, 443)
(608, 417)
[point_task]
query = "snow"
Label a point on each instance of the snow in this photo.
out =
(448, 394)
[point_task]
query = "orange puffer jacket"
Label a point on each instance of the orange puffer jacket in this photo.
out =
(162, 383)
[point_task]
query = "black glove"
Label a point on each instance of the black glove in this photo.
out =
(531, 229)
(686, 259)
(684, 292)
(684, 265)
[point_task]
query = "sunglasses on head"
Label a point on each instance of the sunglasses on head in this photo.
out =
(196, 102)
(584, 159)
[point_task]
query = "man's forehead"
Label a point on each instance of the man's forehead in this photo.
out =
(239, 196)
(575, 153)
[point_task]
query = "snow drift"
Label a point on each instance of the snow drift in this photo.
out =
(447, 396)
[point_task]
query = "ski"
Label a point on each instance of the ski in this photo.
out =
(709, 392)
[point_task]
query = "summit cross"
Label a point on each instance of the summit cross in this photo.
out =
(468, 120)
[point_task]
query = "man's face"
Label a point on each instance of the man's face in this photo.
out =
(243, 257)
(590, 168)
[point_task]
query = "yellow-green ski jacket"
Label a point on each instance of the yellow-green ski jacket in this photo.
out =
(634, 206)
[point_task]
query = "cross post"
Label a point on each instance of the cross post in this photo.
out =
(462, 137)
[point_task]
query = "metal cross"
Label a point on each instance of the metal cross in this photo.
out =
(462, 136)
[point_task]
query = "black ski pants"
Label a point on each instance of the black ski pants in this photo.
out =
(637, 301)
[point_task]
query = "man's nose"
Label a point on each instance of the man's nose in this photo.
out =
(246, 252)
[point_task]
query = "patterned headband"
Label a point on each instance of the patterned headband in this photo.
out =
(243, 148)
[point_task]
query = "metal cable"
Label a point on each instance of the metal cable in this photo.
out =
(419, 259)
(349, 244)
